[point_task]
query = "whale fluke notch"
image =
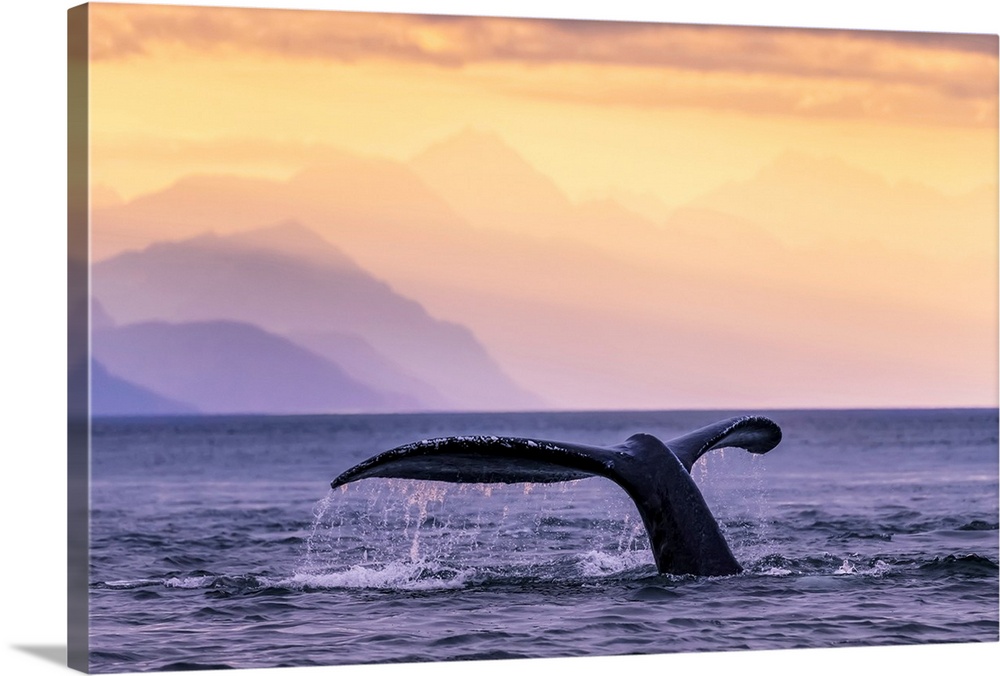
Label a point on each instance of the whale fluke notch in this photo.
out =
(683, 534)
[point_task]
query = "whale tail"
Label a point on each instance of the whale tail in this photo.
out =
(683, 534)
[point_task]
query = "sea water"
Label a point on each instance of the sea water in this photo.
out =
(217, 542)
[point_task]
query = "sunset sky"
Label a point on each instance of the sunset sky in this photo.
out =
(659, 117)
(669, 110)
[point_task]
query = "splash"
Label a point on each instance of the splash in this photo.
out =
(407, 534)
(603, 564)
(314, 540)
(738, 496)
(880, 569)
(420, 498)
(877, 569)
(846, 568)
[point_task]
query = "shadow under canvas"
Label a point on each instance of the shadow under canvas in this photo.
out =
(50, 653)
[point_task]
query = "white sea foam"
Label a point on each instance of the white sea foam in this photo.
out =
(775, 571)
(189, 582)
(878, 569)
(131, 584)
(599, 564)
(392, 575)
(846, 568)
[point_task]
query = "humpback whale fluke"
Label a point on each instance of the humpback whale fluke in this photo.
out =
(683, 534)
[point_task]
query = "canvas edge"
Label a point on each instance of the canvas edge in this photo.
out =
(78, 339)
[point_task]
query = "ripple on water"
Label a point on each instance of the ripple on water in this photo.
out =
(972, 565)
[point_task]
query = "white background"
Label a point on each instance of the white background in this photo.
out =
(33, 367)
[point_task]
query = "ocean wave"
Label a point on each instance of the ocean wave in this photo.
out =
(196, 582)
(967, 564)
(429, 574)
(194, 666)
(774, 571)
(979, 525)
(126, 584)
(855, 535)
(773, 565)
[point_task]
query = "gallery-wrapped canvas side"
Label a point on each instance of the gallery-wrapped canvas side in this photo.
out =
(78, 340)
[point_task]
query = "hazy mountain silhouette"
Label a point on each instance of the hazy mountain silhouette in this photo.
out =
(652, 208)
(288, 238)
(230, 367)
(363, 363)
(114, 396)
(492, 186)
(104, 196)
(811, 262)
(814, 201)
(99, 317)
(807, 255)
(261, 279)
(384, 216)
(371, 203)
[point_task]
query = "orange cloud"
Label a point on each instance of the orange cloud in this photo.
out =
(874, 73)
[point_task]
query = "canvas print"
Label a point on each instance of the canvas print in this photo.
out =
(406, 338)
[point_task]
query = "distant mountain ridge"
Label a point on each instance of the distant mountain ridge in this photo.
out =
(374, 199)
(362, 362)
(840, 201)
(113, 396)
(230, 367)
(470, 169)
(266, 279)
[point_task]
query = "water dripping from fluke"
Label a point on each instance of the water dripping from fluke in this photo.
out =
(656, 475)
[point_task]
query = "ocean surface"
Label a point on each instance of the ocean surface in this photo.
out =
(217, 542)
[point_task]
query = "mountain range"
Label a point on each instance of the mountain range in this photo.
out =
(113, 396)
(224, 367)
(586, 304)
(282, 300)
